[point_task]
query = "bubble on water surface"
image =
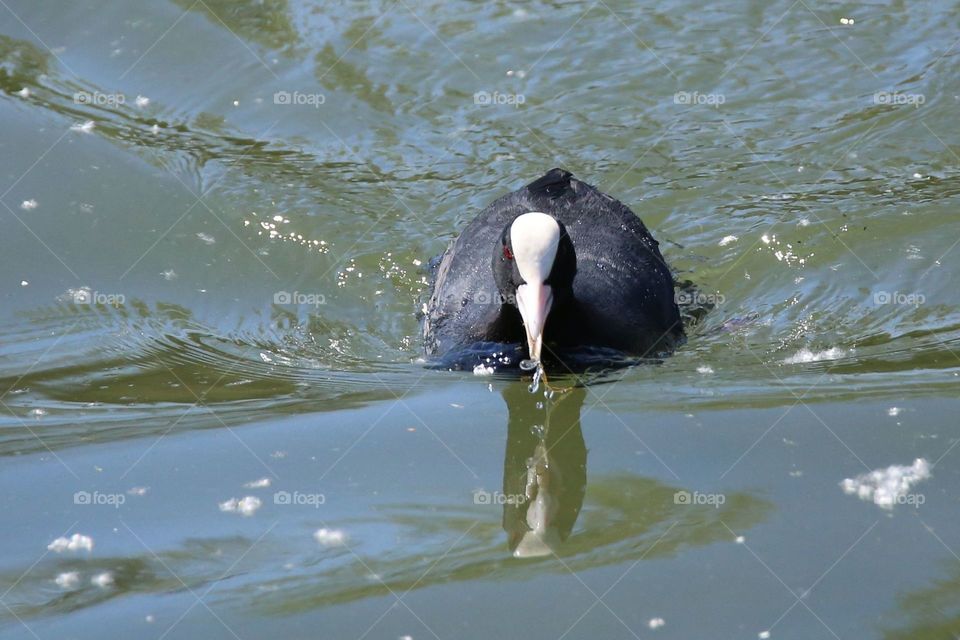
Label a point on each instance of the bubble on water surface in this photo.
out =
(806, 355)
(887, 487)
(67, 579)
(28, 205)
(261, 483)
(102, 580)
(330, 537)
(76, 542)
(83, 127)
(245, 506)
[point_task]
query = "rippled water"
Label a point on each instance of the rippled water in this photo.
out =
(218, 222)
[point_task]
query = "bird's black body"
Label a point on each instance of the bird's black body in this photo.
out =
(622, 295)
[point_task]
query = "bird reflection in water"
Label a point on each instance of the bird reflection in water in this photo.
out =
(544, 469)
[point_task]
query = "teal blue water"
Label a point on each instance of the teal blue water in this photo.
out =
(217, 223)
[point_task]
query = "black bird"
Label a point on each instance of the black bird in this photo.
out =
(560, 266)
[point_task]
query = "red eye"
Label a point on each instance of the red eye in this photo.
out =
(507, 253)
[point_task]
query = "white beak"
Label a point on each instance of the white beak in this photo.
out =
(534, 302)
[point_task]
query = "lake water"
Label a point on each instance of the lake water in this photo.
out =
(218, 217)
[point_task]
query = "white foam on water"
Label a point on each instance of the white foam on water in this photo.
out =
(725, 240)
(84, 127)
(102, 580)
(806, 355)
(656, 623)
(893, 412)
(262, 483)
(28, 205)
(887, 487)
(76, 542)
(705, 369)
(330, 537)
(67, 579)
(142, 101)
(483, 370)
(246, 506)
(138, 491)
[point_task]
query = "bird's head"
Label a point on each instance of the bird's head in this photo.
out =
(534, 265)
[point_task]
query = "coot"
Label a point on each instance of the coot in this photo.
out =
(557, 267)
